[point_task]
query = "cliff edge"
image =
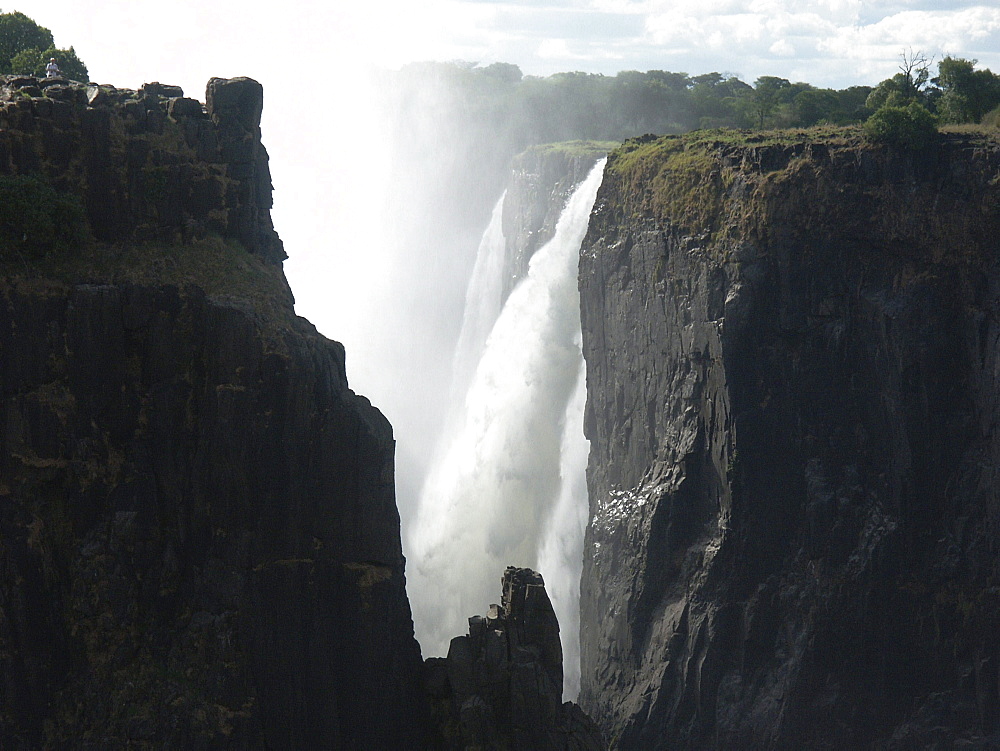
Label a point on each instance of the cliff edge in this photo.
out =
(200, 544)
(791, 345)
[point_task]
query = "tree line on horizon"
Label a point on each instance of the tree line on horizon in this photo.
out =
(577, 105)
(453, 127)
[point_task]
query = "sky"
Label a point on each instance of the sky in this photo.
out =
(826, 42)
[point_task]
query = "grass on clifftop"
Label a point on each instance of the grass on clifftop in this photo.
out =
(684, 179)
(634, 152)
(706, 182)
(675, 177)
(221, 268)
(575, 148)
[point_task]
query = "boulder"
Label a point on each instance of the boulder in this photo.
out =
(161, 89)
(178, 107)
(235, 100)
(97, 97)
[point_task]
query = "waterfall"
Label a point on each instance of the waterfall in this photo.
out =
(560, 557)
(497, 494)
(482, 303)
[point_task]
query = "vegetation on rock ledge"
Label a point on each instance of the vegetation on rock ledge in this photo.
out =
(703, 182)
(219, 267)
(26, 47)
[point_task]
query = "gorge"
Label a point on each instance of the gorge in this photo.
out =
(791, 363)
(508, 481)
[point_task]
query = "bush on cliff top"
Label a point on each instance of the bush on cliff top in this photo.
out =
(911, 127)
(32, 62)
(35, 219)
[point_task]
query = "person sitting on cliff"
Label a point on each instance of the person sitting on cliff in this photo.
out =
(52, 70)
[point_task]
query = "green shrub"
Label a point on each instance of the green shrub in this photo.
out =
(35, 219)
(992, 119)
(910, 127)
(32, 62)
(25, 62)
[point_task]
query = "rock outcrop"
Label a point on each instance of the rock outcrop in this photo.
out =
(500, 687)
(199, 543)
(792, 367)
(148, 164)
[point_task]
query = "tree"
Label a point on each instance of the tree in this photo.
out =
(18, 33)
(813, 105)
(966, 94)
(32, 63)
(909, 85)
(25, 48)
(911, 127)
(716, 100)
(25, 62)
(505, 72)
(768, 93)
(852, 104)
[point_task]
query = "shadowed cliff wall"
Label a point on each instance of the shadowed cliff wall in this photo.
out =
(199, 543)
(792, 374)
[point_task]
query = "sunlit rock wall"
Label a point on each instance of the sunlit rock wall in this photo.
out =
(792, 371)
(541, 180)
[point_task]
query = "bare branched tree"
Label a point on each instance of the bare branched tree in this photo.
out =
(915, 67)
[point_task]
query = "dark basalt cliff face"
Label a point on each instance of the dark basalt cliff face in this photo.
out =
(199, 544)
(793, 366)
(500, 688)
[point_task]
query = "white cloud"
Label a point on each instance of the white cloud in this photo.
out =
(554, 49)
(827, 42)
(971, 32)
(782, 48)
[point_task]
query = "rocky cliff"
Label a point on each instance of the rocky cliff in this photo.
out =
(200, 545)
(500, 688)
(150, 164)
(793, 365)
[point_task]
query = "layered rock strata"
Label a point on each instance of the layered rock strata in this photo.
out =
(501, 685)
(792, 368)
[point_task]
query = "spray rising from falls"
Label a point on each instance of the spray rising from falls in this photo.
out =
(508, 488)
(483, 301)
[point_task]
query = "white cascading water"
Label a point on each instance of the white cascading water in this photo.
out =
(508, 487)
(560, 557)
(483, 299)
